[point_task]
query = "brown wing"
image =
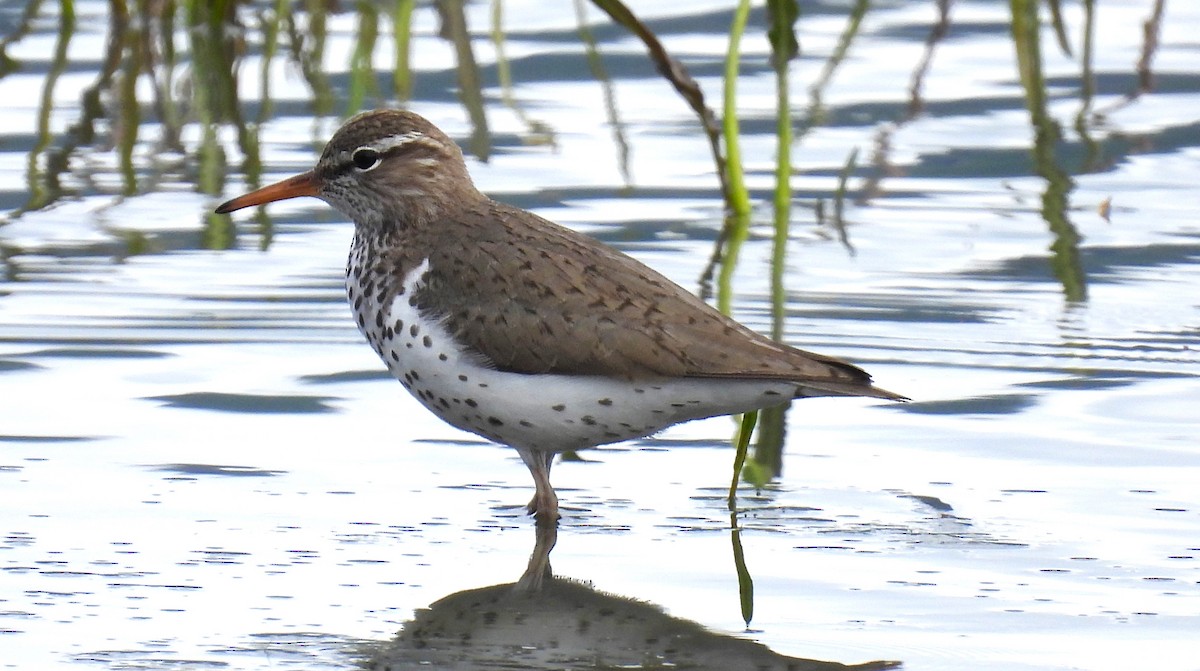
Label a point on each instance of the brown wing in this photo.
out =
(534, 297)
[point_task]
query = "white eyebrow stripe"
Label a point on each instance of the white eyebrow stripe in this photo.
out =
(393, 141)
(384, 145)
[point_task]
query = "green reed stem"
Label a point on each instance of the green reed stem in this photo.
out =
(745, 581)
(1087, 90)
(402, 78)
(362, 70)
(739, 198)
(783, 173)
(839, 200)
(767, 461)
(737, 220)
(742, 442)
(600, 73)
(737, 228)
(270, 28)
(41, 189)
(503, 70)
(1065, 258)
(470, 83)
(129, 110)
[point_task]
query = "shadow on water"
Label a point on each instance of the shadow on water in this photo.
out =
(548, 622)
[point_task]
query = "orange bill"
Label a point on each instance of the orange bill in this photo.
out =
(304, 184)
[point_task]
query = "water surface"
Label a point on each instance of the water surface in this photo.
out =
(202, 465)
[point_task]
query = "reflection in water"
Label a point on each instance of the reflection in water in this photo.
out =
(1065, 248)
(543, 622)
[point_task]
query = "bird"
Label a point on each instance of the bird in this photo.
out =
(523, 331)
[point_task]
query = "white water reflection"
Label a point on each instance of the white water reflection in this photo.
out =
(201, 464)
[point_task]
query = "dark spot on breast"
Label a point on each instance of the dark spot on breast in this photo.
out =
(414, 330)
(462, 378)
(588, 420)
(442, 357)
(471, 402)
(605, 401)
(558, 408)
(427, 341)
(495, 421)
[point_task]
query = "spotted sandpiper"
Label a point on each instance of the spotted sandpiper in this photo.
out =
(520, 330)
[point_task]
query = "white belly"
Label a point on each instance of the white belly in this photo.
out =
(545, 413)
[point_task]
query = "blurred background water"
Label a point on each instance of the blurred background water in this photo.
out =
(203, 466)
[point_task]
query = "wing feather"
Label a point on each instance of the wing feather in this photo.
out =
(533, 297)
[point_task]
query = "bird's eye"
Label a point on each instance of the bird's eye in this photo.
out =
(365, 158)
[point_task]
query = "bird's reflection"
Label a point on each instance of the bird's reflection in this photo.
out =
(544, 622)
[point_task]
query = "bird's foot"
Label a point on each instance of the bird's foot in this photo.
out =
(544, 507)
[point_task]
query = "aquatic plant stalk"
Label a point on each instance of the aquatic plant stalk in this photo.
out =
(362, 69)
(677, 74)
(745, 581)
(600, 73)
(402, 79)
(41, 189)
(739, 198)
(782, 15)
(839, 200)
(470, 86)
(1065, 260)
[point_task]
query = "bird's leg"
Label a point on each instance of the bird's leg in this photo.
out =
(544, 504)
(538, 572)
